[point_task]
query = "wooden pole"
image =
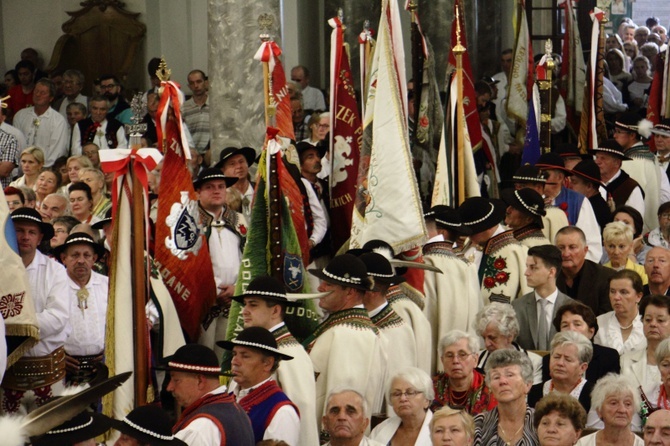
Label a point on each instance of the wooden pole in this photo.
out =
(140, 331)
(458, 50)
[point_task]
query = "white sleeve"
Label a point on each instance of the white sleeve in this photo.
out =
(189, 137)
(285, 426)
(504, 139)
(560, 117)
(56, 314)
(318, 214)
(636, 200)
(58, 141)
(665, 186)
(75, 147)
(200, 432)
(121, 140)
(588, 223)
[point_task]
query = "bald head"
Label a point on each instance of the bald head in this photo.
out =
(657, 430)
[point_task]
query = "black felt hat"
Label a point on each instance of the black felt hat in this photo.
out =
(611, 147)
(552, 160)
(479, 214)
(567, 150)
(248, 153)
(526, 200)
(30, 215)
(304, 146)
(192, 358)
(212, 174)
(80, 428)
(449, 218)
(101, 223)
(149, 425)
(629, 121)
(380, 269)
(256, 337)
(588, 170)
(662, 128)
(79, 238)
(529, 174)
(265, 287)
(346, 270)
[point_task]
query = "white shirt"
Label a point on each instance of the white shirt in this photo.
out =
(202, 431)
(50, 135)
(224, 250)
(16, 133)
(312, 99)
(318, 214)
(99, 139)
(285, 423)
(66, 101)
(549, 309)
(635, 200)
(87, 336)
(48, 286)
(609, 334)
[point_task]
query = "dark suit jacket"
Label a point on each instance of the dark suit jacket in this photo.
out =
(526, 313)
(535, 395)
(605, 360)
(593, 287)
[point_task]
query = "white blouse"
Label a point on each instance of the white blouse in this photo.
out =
(609, 334)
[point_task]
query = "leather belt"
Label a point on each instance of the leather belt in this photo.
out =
(30, 373)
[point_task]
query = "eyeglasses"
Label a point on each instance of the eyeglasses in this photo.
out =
(408, 393)
(323, 126)
(107, 87)
(665, 216)
(462, 356)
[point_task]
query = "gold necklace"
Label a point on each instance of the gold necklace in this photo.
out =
(504, 434)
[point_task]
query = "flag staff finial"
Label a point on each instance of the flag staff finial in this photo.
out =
(265, 24)
(458, 48)
(412, 6)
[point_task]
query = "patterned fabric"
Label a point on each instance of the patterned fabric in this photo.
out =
(284, 337)
(387, 318)
(8, 153)
(262, 403)
(479, 397)
(396, 292)
(486, 429)
(354, 317)
(530, 231)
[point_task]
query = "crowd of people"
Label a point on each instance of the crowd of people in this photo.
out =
(538, 313)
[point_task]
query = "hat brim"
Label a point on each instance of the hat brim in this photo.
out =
(240, 299)
(248, 153)
(143, 438)
(229, 345)
(99, 426)
(320, 275)
(509, 197)
(661, 132)
(588, 178)
(496, 217)
(46, 229)
(568, 172)
(58, 250)
(614, 153)
(101, 224)
(197, 184)
(168, 368)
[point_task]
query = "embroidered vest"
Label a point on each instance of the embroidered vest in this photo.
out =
(225, 413)
(621, 188)
(262, 403)
(574, 202)
(88, 130)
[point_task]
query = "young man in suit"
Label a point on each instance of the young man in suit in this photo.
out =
(536, 310)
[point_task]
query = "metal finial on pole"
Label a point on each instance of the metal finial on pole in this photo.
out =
(265, 23)
(458, 48)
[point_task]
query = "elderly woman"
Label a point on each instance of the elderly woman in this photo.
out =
(498, 325)
(461, 386)
(74, 165)
(657, 395)
(559, 420)
(509, 375)
(32, 161)
(621, 328)
(618, 241)
(452, 427)
(48, 182)
(577, 317)
(614, 402)
(641, 83)
(641, 366)
(410, 392)
(616, 61)
(569, 358)
(96, 181)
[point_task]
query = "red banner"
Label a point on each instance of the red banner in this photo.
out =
(346, 137)
(269, 53)
(182, 254)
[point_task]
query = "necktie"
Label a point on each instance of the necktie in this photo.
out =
(542, 328)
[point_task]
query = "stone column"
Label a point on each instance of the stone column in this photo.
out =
(237, 116)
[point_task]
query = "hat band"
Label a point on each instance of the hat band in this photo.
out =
(605, 149)
(523, 203)
(195, 368)
(632, 128)
(71, 429)
(381, 275)
(27, 217)
(355, 280)
(481, 219)
(249, 293)
(80, 239)
(447, 223)
(256, 345)
(209, 177)
(533, 179)
(147, 431)
(662, 127)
